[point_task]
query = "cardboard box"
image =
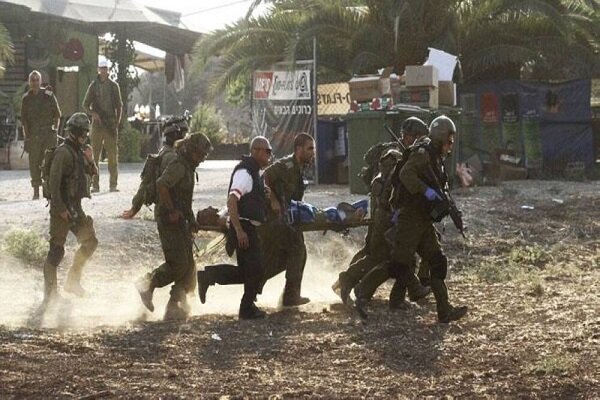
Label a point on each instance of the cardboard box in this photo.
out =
(421, 75)
(366, 88)
(422, 96)
(447, 93)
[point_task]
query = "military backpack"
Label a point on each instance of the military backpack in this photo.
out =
(372, 157)
(149, 175)
(47, 165)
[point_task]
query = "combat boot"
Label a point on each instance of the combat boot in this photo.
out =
(177, 306)
(36, 193)
(291, 295)
(419, 293)
(453, 314)
(446, 312)
(397, 299)
(345, 288)
(251, 312)
(175, 311)
(248, 309)
(50, 285)
(73, 282)
(145, 288)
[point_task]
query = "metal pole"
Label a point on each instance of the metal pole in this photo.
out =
(315, 113)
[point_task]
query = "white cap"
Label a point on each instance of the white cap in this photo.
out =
(103, 63)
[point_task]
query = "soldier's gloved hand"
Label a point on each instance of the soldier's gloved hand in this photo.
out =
(394, 219)
(431, 194)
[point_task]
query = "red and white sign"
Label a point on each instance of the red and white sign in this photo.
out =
(282, 85)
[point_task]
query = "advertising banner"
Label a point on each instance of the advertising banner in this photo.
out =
(282, 107)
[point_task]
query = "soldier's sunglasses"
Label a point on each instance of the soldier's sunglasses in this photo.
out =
(268, 151)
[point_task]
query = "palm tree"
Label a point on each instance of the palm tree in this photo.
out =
(6, 49)
(494, 39)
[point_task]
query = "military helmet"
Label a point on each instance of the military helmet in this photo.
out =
(174, 126)
(78, 124)
(197, 142)
(439, 129)
(414, 126)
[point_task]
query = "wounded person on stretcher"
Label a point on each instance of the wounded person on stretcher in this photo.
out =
(298, 212)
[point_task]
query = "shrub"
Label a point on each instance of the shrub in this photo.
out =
(25, 245)
(207, 120)
(130, 143)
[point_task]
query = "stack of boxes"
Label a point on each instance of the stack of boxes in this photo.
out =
(419, 86)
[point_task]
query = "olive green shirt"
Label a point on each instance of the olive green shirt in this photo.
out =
(103, 98)
(285, 178)
(62, 181)
(39, 112)
(178, 177)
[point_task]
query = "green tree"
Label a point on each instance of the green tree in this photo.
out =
(6, 49)
(495, 39)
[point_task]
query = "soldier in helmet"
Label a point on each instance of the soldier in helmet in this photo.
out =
(175, 129)
(378, 250)
(40, 116)
(176, 223)
(420, 179)
(71, 168)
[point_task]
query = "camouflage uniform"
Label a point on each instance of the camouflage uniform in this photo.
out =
(39, 112)
(179, 267)
(373, 269)
(68, 184)
(283, 246)
(415, 231)
(104, 98)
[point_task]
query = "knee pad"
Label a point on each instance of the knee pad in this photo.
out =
(438, 265)
(89, 246)
(55, 254)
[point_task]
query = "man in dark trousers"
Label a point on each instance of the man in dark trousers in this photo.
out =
(247, 206)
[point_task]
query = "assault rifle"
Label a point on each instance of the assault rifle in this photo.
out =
(393, 135)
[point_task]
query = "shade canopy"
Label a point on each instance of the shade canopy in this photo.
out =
(157, 28)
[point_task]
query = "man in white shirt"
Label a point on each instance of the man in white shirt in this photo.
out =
(246, 203)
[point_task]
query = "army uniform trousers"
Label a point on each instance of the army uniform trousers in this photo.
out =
(37, 146)
(284, 250)
(376, 251)
(83, 228)
(416, 233)
(102, 137)
(179, 267)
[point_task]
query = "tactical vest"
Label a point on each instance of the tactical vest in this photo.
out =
(400, 196)
(75, 185)
(252, 205)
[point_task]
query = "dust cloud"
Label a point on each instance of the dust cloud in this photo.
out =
(112, 299)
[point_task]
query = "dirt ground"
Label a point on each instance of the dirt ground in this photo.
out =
(528, 272)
